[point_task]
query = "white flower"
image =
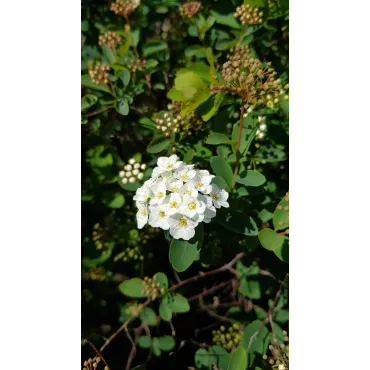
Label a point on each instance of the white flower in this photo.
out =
(202, 183)
(158, 216)
(191, 206)
(142, 194)
(188, 189)
(185, 173)
(159, 192)
(174, 203)
(181, 227)
(168, 164)
(174, 185)
(219, 197)
(179, 197)
(141, 215)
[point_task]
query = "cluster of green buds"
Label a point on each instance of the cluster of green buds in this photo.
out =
(123, 8)
(262, 127)
(152, 287)
(99, 73)
(93, 363)
(167, 122)
(135, 64)
(229, 339)
(280, 354)
(96, 273)
(248, 15)
(98, 237)
(249, 78)
(132, 172)
(110, 39)
(130, 254)
(190, 8)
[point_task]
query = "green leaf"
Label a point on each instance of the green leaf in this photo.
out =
(226, 20)
(148, 316)
(237, 221)
(238, 359)
(270, 240)
(265, 215)
(155, 347)
(88, 101)
(202, 359)
(220, 182)
(175, 95)
(225, 44)
(158, 144)
(148, 123)
(162, 279)
(122, 106)
(219, 356)
(222, 168)
(195, 50)
(144, 342)
(154, 47)
(124, 77)
(113, 200)
(164, 310)
(189, 155)
(217, 101)
(183, 253)
(282, 316)
(250, 287)
(135, 37)
(251, 178)
(133, 288)
(283, 251)
(86, 81)
(177, 303)
(281, 214)
(257, 344)
(217, 138)
(166, 343)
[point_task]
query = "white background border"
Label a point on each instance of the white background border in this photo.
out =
(40, 185)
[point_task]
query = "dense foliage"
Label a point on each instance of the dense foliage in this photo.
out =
(207, 81)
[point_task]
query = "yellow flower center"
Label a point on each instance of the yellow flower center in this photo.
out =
(192, 205)
(160, 195)
(198, 184)
(174, 188)
(215, 196)
(143, 212)
(169, 166)
(173, 204)
(187, 192)
(162, 214)
(184, 177)
(183, 222)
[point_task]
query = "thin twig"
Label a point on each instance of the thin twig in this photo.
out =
(209, 273)
(208, 291)
(97, 352)
(99, 110)
(133, 348)
(121, 328)
(266, 319)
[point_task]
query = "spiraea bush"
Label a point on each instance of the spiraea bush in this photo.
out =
(185, 193)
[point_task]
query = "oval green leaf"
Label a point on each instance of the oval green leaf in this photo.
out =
(270, 239)
(158, 144)
(183, 253)
(133, 288)
(217, 138)
(166, 343)
(251, 178)
(223, 169)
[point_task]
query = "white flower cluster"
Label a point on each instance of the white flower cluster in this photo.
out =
(132, 171)
(178, 197)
